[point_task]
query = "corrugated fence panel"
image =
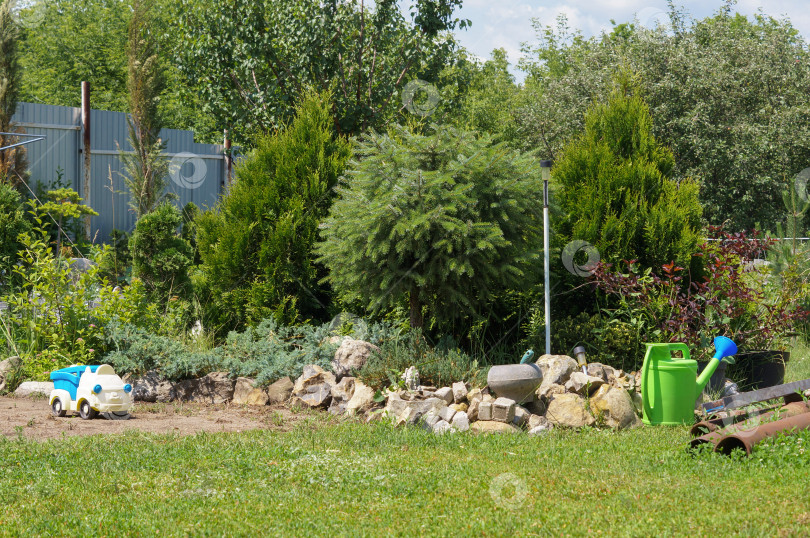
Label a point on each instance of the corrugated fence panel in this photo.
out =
(197, 171)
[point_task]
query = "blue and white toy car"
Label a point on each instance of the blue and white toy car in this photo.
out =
(90, 390)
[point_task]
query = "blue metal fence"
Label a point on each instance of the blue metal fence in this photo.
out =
(198, 170)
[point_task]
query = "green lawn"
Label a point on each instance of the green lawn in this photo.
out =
(356, 480)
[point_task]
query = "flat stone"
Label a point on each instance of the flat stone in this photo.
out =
(568, 410)
(459, 392)
(491, 426)
(280, 391)
(583, 384)
(32, 388)
(442, 427)
(446, 394)
(615, 406)
(362, 398)
(461, 422)
(503, 409)
(485, 411)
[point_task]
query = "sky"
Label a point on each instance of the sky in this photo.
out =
(507, 23)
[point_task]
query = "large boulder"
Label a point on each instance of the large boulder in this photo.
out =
(150, 387)
(362, 399)
(615, 406)
(569, 410)
(410, 411)
(34, 388)
(214, 388)
(341, 394)
(280, 391)
(351, 356)
(313, 375)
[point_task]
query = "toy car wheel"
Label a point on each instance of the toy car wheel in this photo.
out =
(87, 412)
(57, 408)
(116, 415)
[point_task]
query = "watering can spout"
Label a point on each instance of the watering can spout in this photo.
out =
(723, 347)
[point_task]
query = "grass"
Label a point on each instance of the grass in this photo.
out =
(352, 479)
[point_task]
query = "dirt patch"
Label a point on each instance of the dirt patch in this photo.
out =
(31, 418)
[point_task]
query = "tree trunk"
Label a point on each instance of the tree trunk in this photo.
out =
(416, 310)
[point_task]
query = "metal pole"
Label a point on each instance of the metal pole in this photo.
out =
(86, 151)
(546, 266)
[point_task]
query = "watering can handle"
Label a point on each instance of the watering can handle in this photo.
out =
(680, 347)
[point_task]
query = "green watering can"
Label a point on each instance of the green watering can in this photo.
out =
(670, 386)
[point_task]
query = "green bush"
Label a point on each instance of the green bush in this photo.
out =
(617, 188)
(438, 366)
(159, 257)
(13, 222)
(255, 245)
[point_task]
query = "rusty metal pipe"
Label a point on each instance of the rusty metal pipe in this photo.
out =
(750, 423)
(747, 439)
(738, 415)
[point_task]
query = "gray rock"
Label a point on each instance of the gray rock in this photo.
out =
(405, 411)
(615, 406)
(545, 393)
(461, 422)
(280, 391)
(341, 394)
(473, 394)
(313, 375)
(447, 413)
(568, 410)
(429, 420)
(485, 411)
(540, 430)
(459, 392)
(351, 356)
(583, 384)
(517, 382)
(503, 409)
(150, 387)
(214, 388)
(446, 394)
(535, 421)
(596, 369)
(475, 401)
(442, 427)
(313, 396)
(521, 417)
(362, 399)
(32, 388)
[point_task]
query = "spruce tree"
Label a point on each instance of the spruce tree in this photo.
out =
(443, 220)
(617, 188)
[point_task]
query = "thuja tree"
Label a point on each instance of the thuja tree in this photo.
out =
(146, 168)
(445, 220)
(617, 188)
(256, 244)
(12, 161)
